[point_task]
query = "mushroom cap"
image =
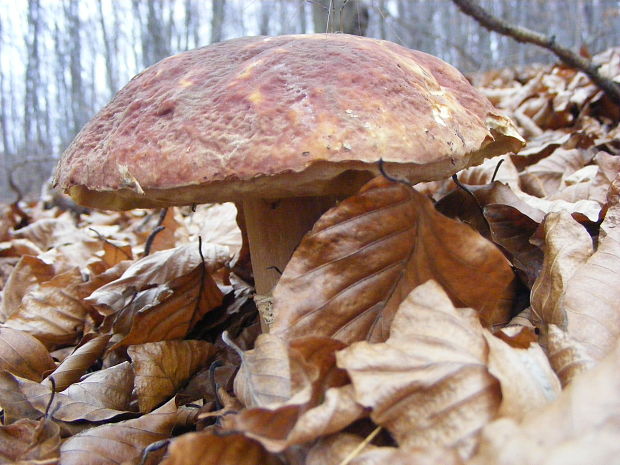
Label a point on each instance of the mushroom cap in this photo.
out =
(274, 117)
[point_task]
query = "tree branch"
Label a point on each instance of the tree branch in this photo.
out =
(524, 35)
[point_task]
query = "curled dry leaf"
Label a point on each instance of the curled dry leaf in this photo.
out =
(547, 176)
(512, 230)
(293, 424)
(318, 399)
(23, 355)
(29, 441)
(52, 312)
(159, 297)
(22, 398)
(361, 259)
(163, 367)
(157, 269)
(580, 427)
(28, 274)
(350, 449)
(80, 360)
(208, 448)
(526, 378)
(265, 377)
(119, 442)
(428, 384)
(216, 224)
(578, 289)
(567, 357)
(110, 388)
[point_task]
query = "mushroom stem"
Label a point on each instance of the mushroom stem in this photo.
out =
(275, 228)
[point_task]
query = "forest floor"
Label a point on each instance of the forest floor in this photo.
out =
(120, 344)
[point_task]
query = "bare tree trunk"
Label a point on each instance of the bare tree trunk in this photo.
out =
(110, 44)
(265, 13)
(301, 12)
(347, 16)
(32, 101)
(217, 20)
(78, 104)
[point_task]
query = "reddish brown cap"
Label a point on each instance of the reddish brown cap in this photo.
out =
(282, 116)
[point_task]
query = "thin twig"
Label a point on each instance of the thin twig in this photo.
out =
(355, 452)
(151, 238)
(496, 170)
(218, 402)
(51, 401)
(524, 35)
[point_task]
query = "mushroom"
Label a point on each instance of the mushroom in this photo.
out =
(284, 126)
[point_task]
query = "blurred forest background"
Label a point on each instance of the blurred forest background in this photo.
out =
(62, 60)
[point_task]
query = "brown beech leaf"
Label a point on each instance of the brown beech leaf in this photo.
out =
(546, 177)
(265, 377)
(339, 448)
(49, 233)
(292, 424)
(162, 367)
(156, 269)
(22, 398)
(29, 441)
(80, 360)
(578, 289)
(208, 448)
(110, 388)
(52, 312)
(512, 230)
(119, 442)
(350, 273)
(28, 274)
(580, 427)
(159, 297)
(567, 357)
(23, 355)
(313, 398)
(216, 224)
(527, 380)
(172, 313)
(428, 384)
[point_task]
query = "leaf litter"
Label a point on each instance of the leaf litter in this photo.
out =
(475, 323)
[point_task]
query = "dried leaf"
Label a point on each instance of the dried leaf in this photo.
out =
(109, 388)
(293, 424)
(526, 378)
(265, 378)
(52, 312)
(578, 290)
(567, 357)
(22, 398)
(581, 426)
(171, 312)
(512, 230)
(207, 448)
(157, 269)
(23, 355)
(163, 367)
(119, 442)
(216, 224)
(350, 273)
(28, 274)
(547, 176)
(80, 360)
(428, 384)
(29, 441)
(337, 449)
